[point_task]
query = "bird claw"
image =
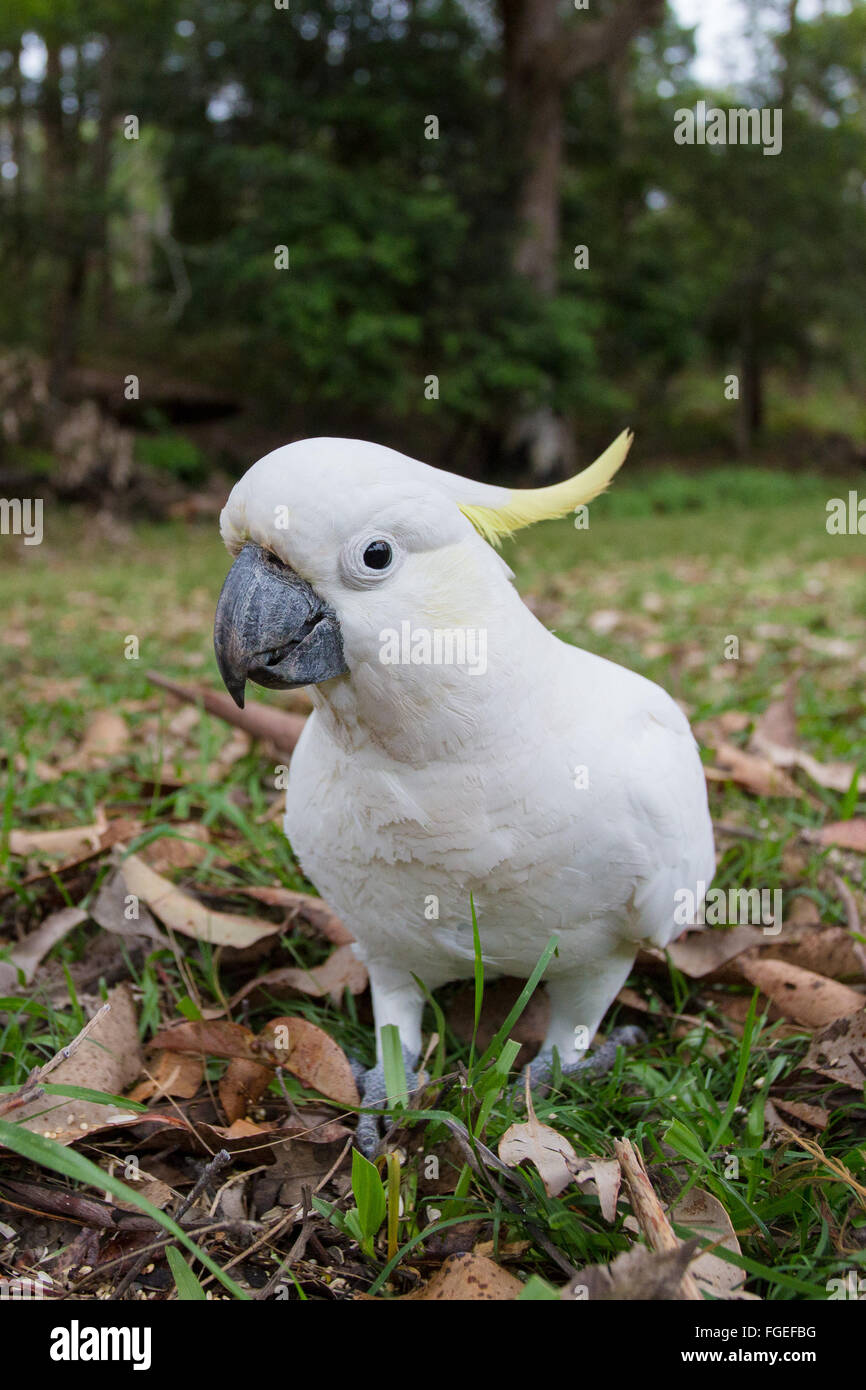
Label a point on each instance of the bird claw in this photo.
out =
(368, 1134)
(597, 1063)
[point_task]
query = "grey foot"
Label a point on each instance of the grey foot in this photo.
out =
(598, 1063)
(368, 1134)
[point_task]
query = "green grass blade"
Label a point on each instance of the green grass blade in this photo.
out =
(521, 1002)
(188, 1286)
(396, 1086)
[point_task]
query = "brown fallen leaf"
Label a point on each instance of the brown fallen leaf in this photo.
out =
(814, 1115)
(106, 736)
(210, 1038)
(278, 727)
(775, 738)
(300, 1047)
(467, 1278)
(170, 1074)
(750, 770)
(836, 776)
(25, 957)
(542, 1146)
(603, 1176)
(702, 952)
(59, 842)
(107, 1060)
(112, 904)
(184, 913)
(184, 848)
(242, 1085)
(809, 999)
(839, 1051)
(312, 1056)
(116, 832)
(315, 911)
(842, 834)
(638, 1275)
(826, 950)
(342, 970)
(704, 1215)
(777, 727)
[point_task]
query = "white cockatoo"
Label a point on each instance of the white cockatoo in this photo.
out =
(457, 749)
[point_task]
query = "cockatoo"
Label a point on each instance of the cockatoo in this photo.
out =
(457, 751)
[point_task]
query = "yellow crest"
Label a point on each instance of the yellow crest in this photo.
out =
(527, 505)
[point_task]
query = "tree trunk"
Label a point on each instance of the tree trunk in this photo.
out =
(534, 95)
(544, 53)
(751, 413)
(101, 176)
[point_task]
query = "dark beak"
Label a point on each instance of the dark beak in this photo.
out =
(272, 627)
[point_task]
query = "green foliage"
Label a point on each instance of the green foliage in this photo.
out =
(172, 453)
(305, 128)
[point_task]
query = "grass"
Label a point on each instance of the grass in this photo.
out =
(668, 571)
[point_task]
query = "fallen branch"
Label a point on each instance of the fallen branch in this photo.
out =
(278, 727)
(649, 1212)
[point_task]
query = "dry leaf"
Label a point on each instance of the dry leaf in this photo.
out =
(107, 1060)
(839, 1051)
(110, 907)
(342, 970)
(184, 848)
(28, 953)
(171, 1074)
(60, 842)
(242, 1084)
(467, 1277)
(701, 952)
(751, 771)
(210, 1037)
(183, 913)
(801, 995)
(105, 737)
(776, 728)
(829, 951)
(603, 1176)
(704, 1215)
(539, 1144)
(315, 911)
(842, 834)
(814, 1115)
(313, 1057)
(637, 1275)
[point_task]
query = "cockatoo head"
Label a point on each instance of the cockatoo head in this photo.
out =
(337, 541)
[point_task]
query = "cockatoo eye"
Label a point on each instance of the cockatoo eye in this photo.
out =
(378, 555)
(367, 560)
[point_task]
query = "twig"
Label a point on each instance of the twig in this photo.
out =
(852, 917)
(32, 1087)
(649, 1212)
(210, 1170)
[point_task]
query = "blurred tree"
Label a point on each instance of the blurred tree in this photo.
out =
(429, 167)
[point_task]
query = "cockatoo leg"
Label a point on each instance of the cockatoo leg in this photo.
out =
(396, 1000)
(579, 1000)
